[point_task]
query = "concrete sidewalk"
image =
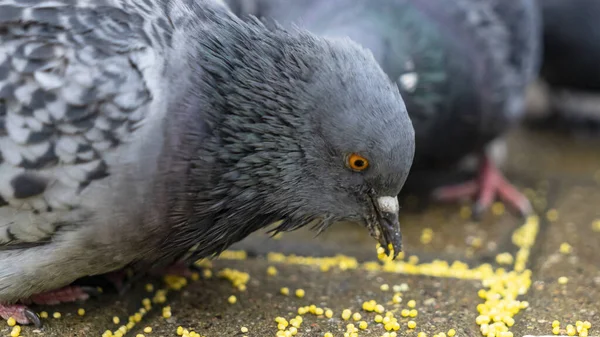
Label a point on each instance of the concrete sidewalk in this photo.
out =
(491, 289)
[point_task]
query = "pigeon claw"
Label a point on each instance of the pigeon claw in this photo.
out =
(21, 314)
(32, 317)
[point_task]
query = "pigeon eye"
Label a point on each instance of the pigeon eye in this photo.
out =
(357, 162)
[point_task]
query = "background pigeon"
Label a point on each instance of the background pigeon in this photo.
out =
(131, 131)
(571, 53)
(462, 68)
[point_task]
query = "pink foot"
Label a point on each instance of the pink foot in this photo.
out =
(21, 314)
(490, 183)
(63, 295)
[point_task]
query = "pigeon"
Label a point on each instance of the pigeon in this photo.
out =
(571, 38)
(462, 68)
(133, 131)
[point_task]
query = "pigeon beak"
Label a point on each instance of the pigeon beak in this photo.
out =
(386, 230)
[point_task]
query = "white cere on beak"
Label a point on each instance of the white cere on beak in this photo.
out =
(388, 204)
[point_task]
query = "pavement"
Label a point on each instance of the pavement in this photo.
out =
(503, 275)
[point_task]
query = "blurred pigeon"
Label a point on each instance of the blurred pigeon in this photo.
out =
(131, 131)
(462, 68)
(571, 53)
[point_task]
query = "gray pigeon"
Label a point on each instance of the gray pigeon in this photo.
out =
(131, 131)
(462, 67)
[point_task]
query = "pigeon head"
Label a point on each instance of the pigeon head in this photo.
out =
(306, 130)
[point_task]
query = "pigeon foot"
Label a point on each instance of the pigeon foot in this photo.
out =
(490, 183)
(62, 295)
(22, 314)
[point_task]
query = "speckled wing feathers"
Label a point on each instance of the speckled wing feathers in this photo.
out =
(71, 91)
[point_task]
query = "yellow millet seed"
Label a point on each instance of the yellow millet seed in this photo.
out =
(356, 316)
(81, 311)
(552, 215)
(43, 314)
(271, 271)
(284, 291)
(413, 313)
(11, 321)
(563, 280)
(405, 312)
(379, 309)
(244, 329)
(378, 319)
(328, 334)
(426, 236)
(497, 208)
(328, 313)
(482, 319)
(363, 325)
(232, 299)
(300, 293)
(346, 314)
(397, 299)
(571, 330)
(451, 333)
(16, 331)
(149, 287)
(556, 330)
(56, 315)
(140, 335)
(596, 226)
(421, 334)
(148, 329)
(411, 304)
(412, 324)
(384, 287)
(369, 305)
(565, 248)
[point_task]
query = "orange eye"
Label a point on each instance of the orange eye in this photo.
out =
(357, 162)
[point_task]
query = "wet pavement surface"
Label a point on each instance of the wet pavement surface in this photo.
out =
(560, 174)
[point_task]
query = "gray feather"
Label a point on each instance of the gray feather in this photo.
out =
(132, 131)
